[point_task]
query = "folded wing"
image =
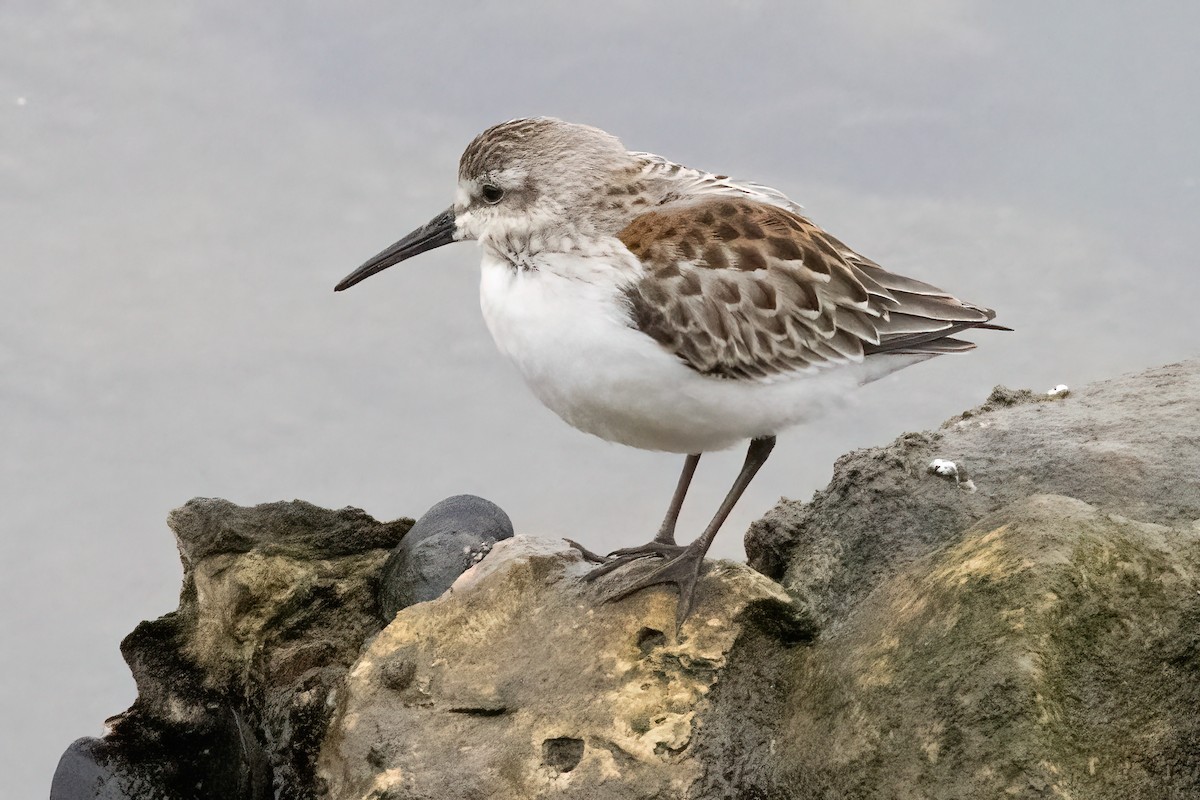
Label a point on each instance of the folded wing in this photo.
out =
(739, 288)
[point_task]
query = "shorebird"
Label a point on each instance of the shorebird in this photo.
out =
(672, 309)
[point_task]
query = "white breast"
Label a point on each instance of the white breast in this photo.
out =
(573, 345)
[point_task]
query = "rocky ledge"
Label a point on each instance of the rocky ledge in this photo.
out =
(1009, 606)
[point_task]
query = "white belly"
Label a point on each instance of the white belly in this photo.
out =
(571, 341)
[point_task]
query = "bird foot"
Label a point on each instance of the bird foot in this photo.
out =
(682, 568)
(626, 555)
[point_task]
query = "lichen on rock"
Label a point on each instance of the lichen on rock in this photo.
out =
(233, 687)
(1130, 445)
(1052, 650)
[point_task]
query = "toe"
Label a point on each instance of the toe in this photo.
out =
(588, 555)
(608, 566)
(687, 594)
(660, 549)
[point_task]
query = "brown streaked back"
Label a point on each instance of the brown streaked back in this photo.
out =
(741, 289)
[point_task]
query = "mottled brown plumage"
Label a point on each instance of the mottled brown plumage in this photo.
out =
(669, 308)
(742, 289)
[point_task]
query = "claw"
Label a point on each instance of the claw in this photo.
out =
(683, 570)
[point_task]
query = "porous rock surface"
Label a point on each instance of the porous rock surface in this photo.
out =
(1053, 651)
(1038, 637)
(518, 684)
(1130, 445)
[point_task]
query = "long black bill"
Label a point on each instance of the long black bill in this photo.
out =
(435, 233)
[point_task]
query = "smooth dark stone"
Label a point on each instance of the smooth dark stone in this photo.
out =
(215, 758)
(96, 769)
(444, 543)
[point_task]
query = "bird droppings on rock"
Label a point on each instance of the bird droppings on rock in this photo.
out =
(952, 471)
(1114, 445)
(1003, 397)
(476, 554)
(944, 468)
(1000, 397)
(450, 538)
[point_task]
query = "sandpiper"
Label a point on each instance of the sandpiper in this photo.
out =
(672, 309)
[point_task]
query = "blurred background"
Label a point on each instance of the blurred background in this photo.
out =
(181, 184)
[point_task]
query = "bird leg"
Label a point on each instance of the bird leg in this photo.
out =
(666, 531)
(663, 543)
(683, 567)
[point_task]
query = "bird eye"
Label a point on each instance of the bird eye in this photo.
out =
(491, 194)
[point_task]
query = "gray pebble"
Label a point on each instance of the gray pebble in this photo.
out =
(95, 769)
(217, 757)
(448, 540)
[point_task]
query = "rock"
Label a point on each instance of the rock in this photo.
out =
(1010, 641)
(444, 543)
(1129, 445)
(518, 684)
(233, 686)
(209, 526)
(1036, 637)
(1052, 651)
(93, 769)
(216, 758)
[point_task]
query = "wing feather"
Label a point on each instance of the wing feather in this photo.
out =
(688, 184)
(739, 286)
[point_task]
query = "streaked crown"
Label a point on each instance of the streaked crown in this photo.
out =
(542, 145)
(541, 183)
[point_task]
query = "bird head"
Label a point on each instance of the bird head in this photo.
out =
(528, 185)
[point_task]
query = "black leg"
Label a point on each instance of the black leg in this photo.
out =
(666, 532)
(683, 569)
(663, 543)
